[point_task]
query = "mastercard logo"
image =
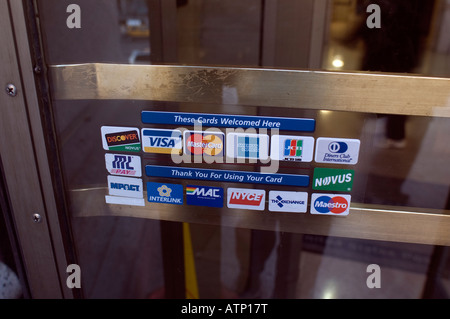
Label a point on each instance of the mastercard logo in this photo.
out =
(211, 144)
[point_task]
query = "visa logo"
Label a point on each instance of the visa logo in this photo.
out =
(161, 141)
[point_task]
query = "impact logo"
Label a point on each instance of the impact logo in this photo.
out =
(125, 186)
(125, 165)
(161, 141)
(337, 151)
(204, 143)
(248, 146)
(293, 202)
(204, 196)
(292, 148)
(165, 193)
(121, 139)
(333, 179)
(330, 204)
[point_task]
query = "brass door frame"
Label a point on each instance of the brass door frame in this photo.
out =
(25, 161)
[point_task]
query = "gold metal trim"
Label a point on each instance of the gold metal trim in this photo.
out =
(363, 221)
(338, 91)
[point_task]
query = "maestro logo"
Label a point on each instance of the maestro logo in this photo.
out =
(242, 198)
(165, 193)
(204, 196)
(207, 143)
(330, 204)
(161, 141)
(121, 139)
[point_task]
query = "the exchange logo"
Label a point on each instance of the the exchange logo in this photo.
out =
(161, 141)
(337, 151)
(121, 139)
(165, 193)
(294, 202)
(204, 196)
(243, 198)
(248, 146)
(292, 148)
(331, 179)
(330, 204)
(204, 143)
(126, 165)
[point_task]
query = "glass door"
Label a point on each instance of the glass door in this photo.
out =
(257, 149)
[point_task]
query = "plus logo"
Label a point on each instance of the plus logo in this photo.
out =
(122, 162)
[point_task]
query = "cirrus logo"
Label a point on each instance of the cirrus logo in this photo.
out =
(330, 204)
(338, 147)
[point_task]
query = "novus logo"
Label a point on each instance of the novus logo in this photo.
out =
(333, 179)
(161, 141)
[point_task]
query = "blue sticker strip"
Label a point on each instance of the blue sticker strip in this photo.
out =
(223, 120)
(226, 176)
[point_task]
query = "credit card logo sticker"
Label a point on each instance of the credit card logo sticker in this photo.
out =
(204, 196)
(292, 148)
(337, 151)
(165, 193)
(248, 146)
(330, 204)
(333, 179)
(253, 199)
(125, 186)
(125, 139)
(161, 141)
(125, 165)
(293, 202)
(204, 143)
